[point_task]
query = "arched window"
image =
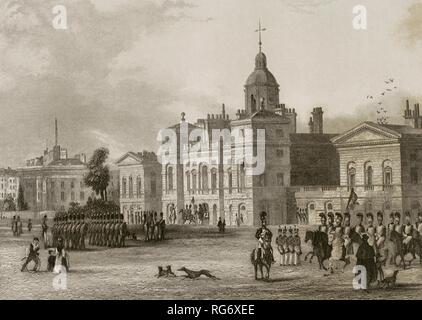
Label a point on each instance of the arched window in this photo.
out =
(242, 174)
(368, 175)
(214, 180)
(387, 174)
(169, 178)
(253, 104)
(138, 187)
(204, 177)
(130, 187)
(124, 187)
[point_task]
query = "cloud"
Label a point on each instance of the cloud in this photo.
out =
(411, 27)
(47, 73)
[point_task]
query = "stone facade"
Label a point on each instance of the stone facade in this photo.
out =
(140, 185)
(381, 163)
(9, 183)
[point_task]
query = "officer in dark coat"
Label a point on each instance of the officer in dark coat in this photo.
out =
(366, 257)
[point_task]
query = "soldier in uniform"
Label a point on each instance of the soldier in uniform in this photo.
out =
(264, 231)
(370, 230)
(398, 227)
(418, 224)
(330, 222)
(281, 241)
(408, 231)
(346, 233)
(323, 226)
(390, 226)
(336, 240)
(381, 231)
(297, 250)
(290, 248)
(359, 229)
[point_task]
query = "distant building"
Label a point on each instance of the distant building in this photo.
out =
(382, 162)
(54, 180)
(140, 184)
(9, 183)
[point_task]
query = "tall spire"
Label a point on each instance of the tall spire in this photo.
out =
(259, 30)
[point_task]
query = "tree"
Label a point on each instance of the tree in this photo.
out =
(22, 205)
(9, 203)
(98, 176)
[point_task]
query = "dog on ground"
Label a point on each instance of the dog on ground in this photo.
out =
(191, 274)
(165, 273)
(389, 282)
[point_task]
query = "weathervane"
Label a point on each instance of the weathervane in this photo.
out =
(259, 30)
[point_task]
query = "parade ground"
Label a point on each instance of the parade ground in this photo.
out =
(129, 273)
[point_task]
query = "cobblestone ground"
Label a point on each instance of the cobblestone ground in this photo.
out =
(129, 273)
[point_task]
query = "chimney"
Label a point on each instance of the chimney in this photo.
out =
(223, 111)
(56, 132)
(318, 124)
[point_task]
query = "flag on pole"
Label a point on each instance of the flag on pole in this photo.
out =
(352, 200)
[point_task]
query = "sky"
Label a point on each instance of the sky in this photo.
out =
(123, 69)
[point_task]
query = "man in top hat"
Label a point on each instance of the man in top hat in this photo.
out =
(381, 230)
(281, 244)
(323, 226)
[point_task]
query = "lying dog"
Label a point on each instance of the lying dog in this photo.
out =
(196, 274)
(165, 273)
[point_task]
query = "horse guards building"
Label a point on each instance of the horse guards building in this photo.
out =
(304, 174)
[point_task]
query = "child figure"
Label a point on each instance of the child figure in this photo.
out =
(51, 260)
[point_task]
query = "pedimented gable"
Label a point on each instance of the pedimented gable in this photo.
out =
(127, 159)
(367, 133)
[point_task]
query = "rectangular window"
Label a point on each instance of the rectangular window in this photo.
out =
(280, 153)
(72, 196)
(72, 184)
(62, 184)
(81, 184)
(62, 196)
(279, 133)
(414, 175)
(82, 196)
(280, 179)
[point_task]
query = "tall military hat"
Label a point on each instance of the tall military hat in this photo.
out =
(330, 215)
(322, 215)
(391, 215)
(407, 214)
(346, 215)
(280, 229)
(339, 215)
(397, 214)
(290, 229)
(380, 214)
(296, 229)
(285, 229)
(359, 214)
(369, 215)
(263, 216)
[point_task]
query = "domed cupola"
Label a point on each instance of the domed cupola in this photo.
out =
(260, 61)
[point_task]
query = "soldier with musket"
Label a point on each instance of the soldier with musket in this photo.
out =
(323, 226)
(281, 243)
(381, 230)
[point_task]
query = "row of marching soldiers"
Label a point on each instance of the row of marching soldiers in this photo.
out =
(289, 246)
(108, 230)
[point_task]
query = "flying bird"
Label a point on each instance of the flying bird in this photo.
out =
(391, 80)
(383, 93)
(389, 90)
